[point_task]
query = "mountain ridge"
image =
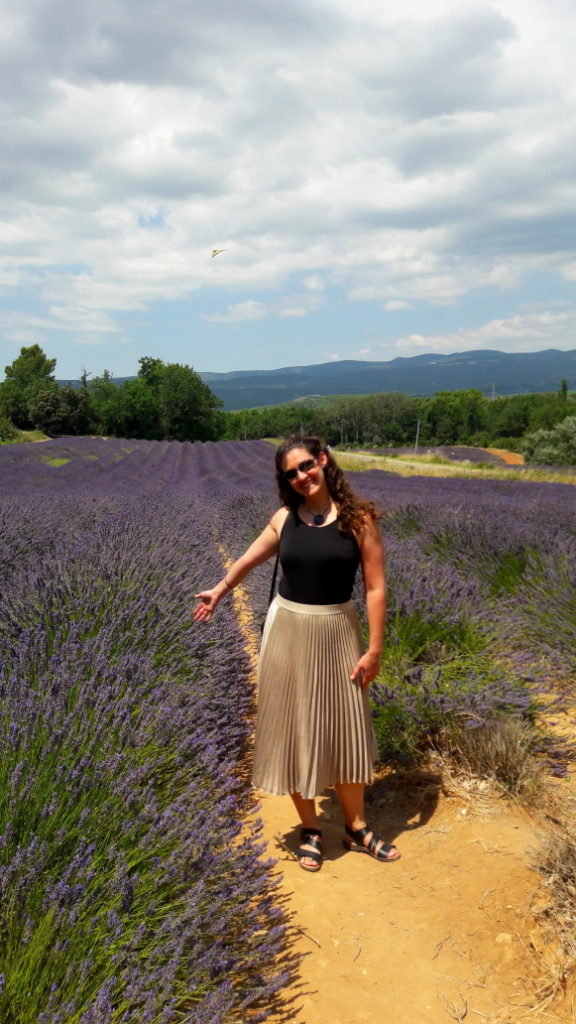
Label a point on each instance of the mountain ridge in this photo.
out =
(489, 370)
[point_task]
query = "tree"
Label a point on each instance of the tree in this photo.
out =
(58, 410)
(8, 432)
(390, 415)
(46, 413)
(453, 417)
(188, 409)
(150, 370)
(104, 403)
(556, 447)
(137, 410)
(509, 416)
(31, 372)
(31, 365)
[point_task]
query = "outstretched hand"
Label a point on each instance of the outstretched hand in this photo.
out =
(207, 601)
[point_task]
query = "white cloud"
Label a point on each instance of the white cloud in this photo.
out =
(523, 333)
(314, 283)
(317, 142)
(60, 318)
(240, 311)
(293, 311)
(24, 336)
(73, 318)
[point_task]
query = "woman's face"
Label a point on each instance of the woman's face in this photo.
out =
(306, 482)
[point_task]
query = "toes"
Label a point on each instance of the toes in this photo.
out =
(380, 852)
(310, 863)
(386, 854)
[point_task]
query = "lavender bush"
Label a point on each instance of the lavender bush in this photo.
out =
(130, 889)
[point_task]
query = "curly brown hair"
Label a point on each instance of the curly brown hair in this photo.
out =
(352, 510)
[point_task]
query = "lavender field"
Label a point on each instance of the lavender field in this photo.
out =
(131, 890)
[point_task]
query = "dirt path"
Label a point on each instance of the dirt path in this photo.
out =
(446, 933)
(510, 458)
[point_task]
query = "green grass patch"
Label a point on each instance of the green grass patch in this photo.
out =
(54, 460)
(11, 435)
(412, 466)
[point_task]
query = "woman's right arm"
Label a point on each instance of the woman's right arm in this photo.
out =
(260, 551)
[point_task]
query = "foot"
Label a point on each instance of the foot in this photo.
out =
(309, 853)
(363, 840)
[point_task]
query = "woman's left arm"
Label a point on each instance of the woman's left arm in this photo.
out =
(372, 562)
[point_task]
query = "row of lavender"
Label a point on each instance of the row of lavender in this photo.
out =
(482, 585)
(130, 891)
(497, 553)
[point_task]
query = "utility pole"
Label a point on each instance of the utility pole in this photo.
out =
(417, 438)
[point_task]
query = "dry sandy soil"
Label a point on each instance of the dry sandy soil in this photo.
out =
(448, 932)
(510, 458)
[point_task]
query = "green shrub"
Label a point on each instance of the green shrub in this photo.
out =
(8, 432)
(555, 447)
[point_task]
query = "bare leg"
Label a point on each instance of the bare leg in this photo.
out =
(351, 796)
(306, 810)
(307, 813)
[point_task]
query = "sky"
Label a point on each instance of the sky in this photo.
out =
(384, 179)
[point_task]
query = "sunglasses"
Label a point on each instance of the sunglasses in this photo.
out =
(303, 467)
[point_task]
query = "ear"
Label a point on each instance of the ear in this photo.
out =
(322, 459)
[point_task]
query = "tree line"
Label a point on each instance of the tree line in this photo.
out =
(465, 417)
(171, 401)
(165, 401)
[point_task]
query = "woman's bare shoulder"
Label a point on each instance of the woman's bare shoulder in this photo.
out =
(369, 531)
(279, 518)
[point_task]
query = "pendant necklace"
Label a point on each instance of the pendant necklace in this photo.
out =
(319, 517)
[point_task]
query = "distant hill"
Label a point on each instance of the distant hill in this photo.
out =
(492, 372)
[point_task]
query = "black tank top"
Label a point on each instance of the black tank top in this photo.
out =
(318, 563)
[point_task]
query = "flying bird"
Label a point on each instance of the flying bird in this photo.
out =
(216, 251)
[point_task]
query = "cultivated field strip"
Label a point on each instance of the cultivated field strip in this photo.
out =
(130, 890)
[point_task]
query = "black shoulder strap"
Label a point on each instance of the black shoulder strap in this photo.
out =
(274, 575)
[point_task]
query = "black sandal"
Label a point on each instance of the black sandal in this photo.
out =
(379, 852)
(310, 837)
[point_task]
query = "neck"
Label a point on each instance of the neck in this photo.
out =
(319, 503)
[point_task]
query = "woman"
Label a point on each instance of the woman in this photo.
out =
(313, 727)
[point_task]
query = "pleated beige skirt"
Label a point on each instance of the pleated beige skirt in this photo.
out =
(313, 726)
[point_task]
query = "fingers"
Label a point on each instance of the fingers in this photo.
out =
(363, 673)
(205, 607)
(202, 613)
